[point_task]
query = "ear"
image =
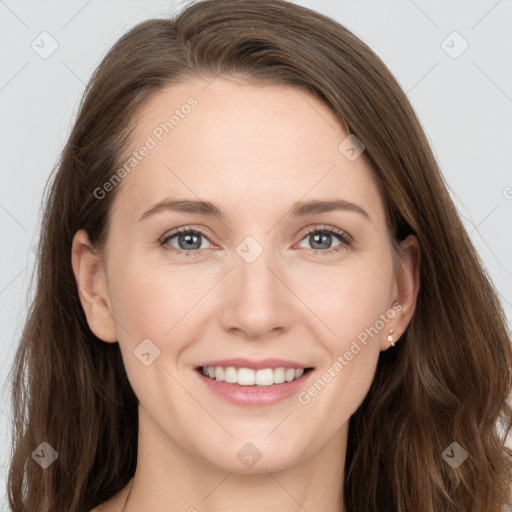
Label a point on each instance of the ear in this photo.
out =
(407, 285)
(92, 287)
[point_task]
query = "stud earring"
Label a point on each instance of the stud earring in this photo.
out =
(390, 338)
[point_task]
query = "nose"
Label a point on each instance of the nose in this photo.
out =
(258, 300)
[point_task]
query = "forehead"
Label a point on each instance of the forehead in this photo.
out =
(243, 143)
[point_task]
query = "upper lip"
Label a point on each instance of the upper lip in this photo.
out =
(255, 364)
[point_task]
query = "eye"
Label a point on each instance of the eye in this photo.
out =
(321, 238)
(188, 240)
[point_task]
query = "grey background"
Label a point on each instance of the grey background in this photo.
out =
(464, 104)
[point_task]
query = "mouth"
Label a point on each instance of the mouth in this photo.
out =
(254, 382)
(249, 377)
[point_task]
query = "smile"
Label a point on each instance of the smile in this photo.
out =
(249, 377)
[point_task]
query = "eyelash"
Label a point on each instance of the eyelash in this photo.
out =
(345, 239)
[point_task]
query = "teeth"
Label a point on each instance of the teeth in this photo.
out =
(264, 377)
(219, 373)
(279, 375)
(246, 376)
(249, 377)
(231, 375)
(289, 374)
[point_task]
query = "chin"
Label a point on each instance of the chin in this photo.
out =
(256, 456)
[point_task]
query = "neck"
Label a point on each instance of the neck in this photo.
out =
(169, 478)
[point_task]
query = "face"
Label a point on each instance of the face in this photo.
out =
(269, 279)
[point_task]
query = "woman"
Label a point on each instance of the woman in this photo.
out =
(246, 219)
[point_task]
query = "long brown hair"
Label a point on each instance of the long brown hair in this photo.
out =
(447, 380)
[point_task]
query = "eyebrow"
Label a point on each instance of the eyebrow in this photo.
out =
(299, 209)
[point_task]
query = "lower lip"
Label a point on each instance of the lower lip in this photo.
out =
(252, 395)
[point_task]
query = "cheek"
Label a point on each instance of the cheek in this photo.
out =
(157, 301)
(348, 298)
(354, 307)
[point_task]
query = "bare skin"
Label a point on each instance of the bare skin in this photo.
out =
(254, 152)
